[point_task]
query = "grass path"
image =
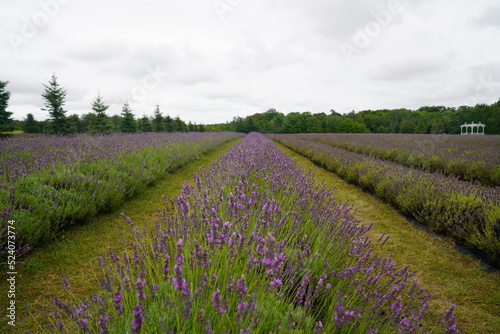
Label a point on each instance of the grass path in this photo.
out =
(451, 276)
(75, 253)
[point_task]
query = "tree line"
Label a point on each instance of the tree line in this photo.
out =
(425, 120)
(97, 121)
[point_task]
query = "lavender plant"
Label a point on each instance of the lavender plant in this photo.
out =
(468, 212)
(47, 183)
(471, 158)
(252, 247)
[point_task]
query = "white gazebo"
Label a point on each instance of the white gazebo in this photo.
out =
(475, 129)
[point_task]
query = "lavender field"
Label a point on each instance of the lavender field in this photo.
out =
(252, 247)
(466, 211)
(50, 182)
(472, 158)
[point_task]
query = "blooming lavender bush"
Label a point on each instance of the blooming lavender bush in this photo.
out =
(50, 182)
(469, 157)
(468, 212)
(252, 247)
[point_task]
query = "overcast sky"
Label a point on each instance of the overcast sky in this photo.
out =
(207, 60)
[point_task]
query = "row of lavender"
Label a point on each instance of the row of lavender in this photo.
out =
(468, 157)
(468, 212)
(252, 247)
(50, 182)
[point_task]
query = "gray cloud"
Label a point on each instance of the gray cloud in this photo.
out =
(488, 17)
(262, 54)
(408, 70)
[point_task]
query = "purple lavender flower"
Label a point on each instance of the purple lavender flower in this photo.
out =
(117, 301)
(140, 284)
(276, 283)
(139, 318)
(217, 301)
(103, 324)
(65, 282)
(450, 318)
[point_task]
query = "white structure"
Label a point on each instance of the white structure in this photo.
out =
(479, 129)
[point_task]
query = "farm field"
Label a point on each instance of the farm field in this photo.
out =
(468, 212)
(266, 244)
(442, 267)
(253, 245)
(49, 183)
(74, 252)
(472, 158)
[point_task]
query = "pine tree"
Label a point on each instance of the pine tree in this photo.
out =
(55, 98)
(179, 125)
(169, 124)
(100, 124)
(31, 125)
(115, 122)
(5, 120)
(158, 121)
(74, 124)
(128, 123)
(144, 124)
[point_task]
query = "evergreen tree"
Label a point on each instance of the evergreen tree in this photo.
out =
(5, 120)
(74, 124)
(144, 124)
(128, 123)
(100, 123)
(169, 124)
(45, 126)
(115, 121)
(87, 120)
(31, 125)
(158, 121)
(179, 125)
(55, 98)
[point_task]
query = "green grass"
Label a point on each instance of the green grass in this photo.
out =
(75, 251)
(15, 132)
(451, 276)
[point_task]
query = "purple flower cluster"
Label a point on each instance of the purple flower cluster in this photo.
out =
(49, 182)
(468, 212)
(255, 247)
(470, 157)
